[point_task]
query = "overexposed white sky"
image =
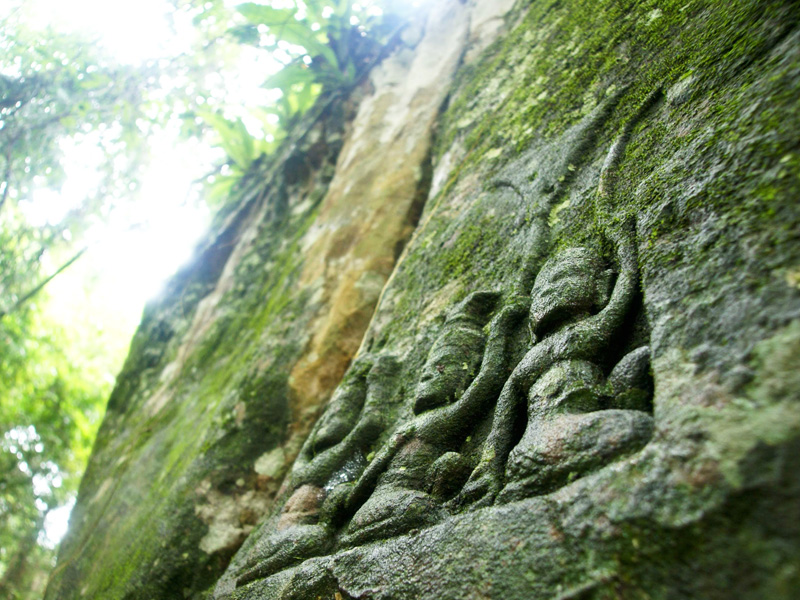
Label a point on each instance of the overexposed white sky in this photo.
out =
(132, 254)
(132, 31)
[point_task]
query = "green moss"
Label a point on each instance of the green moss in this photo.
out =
(564, 58)
(706, 175)
(141, 537)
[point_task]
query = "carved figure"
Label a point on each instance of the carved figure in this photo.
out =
(334, 453)
(419, 468)
(354, 419)
(573, 423)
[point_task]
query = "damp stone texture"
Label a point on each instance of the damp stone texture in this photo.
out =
(518, 319)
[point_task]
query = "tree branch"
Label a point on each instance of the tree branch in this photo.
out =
(25, 298)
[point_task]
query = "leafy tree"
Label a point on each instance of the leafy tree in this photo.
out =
(55, 91)
(320, 49)
(49, 412)
(324, 46)
(56, 86)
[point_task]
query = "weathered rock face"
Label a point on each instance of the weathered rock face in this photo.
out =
(578, 380)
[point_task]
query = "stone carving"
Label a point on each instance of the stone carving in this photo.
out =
(404, 485)
(333, 454)
(581, 414)
(420, 467)
(577, 419)
(570, 396)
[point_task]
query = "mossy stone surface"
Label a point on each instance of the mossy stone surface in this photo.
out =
(678, 117)
(674, 121)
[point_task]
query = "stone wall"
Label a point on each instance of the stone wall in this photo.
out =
(556, 243)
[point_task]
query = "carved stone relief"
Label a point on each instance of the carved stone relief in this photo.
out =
(523, 391)
(333, 453)
(577, 418)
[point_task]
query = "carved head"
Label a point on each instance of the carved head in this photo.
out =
(302, 508)
(343, 409)
(575, 282)
(455, 357)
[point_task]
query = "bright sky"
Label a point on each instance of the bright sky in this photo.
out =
(130, 265)
(121, 24)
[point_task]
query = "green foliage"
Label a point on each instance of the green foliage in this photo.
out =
(285, 26)
(51, 395)
(320, 47)
(323, 43)
(234, 138)
(56, 86)
(240, 146)
(56, 92)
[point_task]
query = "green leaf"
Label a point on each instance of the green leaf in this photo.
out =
(245, 34)
(283, 24)
(220, 190)
(230, 137)
(295, 73)
(258, 14)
